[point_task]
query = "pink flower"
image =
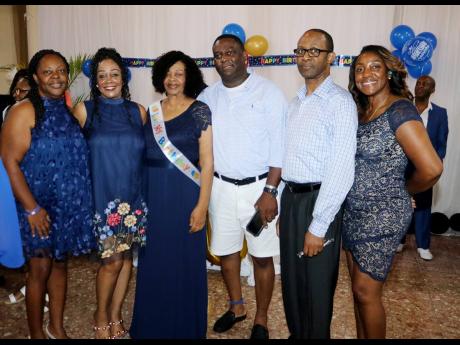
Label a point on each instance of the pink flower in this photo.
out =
(113, 219)
(142, 231)
(138, 212)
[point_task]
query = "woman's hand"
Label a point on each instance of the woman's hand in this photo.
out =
(40, 223)
(197, 219)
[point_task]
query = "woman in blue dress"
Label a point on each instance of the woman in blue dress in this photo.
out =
(113, 125)
(46, 157)
(378, 207)
(171, 291)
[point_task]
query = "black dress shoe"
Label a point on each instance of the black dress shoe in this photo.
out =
(259, 332)
(226, 321)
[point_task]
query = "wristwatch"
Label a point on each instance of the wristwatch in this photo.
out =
(271, 190)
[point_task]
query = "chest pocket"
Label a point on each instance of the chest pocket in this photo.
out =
(256, 115)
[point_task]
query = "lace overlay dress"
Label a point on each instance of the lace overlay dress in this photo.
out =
(378, 208)
(171, 291)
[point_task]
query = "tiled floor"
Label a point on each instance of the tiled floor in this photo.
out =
(422, 299)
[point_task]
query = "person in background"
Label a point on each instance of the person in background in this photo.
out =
(19, 88)
(46, 157)
(113, 126)
(435, 121)
(378, 207)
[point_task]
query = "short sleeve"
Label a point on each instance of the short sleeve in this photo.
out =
(202, 115)
(402, 111)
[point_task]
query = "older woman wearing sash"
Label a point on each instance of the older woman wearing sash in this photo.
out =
(171, 291)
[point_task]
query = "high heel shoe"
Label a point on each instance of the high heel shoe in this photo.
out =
(120, 334)
(102, 328)
(48, 333)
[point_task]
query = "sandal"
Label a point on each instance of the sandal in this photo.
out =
(12, 296)
(120, 334)
(102, 328)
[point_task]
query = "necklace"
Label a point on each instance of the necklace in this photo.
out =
(376, 111)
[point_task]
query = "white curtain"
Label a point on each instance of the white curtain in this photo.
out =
(147, 31)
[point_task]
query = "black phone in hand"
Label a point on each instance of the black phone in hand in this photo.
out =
(255, 225)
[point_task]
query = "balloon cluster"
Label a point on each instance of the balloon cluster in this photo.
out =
(86, 69)
(256, 45)
(414, 51)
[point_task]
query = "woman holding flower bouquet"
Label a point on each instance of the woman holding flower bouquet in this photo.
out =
(113, 126)
(171, 291)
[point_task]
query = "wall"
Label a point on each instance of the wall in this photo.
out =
(7, 44)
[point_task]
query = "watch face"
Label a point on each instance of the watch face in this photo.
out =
(273, 192)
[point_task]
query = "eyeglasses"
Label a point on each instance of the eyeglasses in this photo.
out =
(21, 91)
(228, 54)
(312, 52)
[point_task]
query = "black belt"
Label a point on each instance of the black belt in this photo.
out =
(302, 187)
(242, 182)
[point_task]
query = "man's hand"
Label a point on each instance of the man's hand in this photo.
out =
(412, 200)
(312, 245)
(268, 207)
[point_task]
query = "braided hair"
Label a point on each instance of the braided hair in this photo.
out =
(33, 94)
(101, 55)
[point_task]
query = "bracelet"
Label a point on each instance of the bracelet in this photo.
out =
(270, 186)
(34, 211)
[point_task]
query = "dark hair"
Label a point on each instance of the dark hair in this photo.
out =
(194, 82)
(396, 71)
(233, 37)
(329, 40)
(101, 55)
(21, 74)
(33, 94)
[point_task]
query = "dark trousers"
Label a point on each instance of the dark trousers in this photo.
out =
(308, 284)
(421, 220)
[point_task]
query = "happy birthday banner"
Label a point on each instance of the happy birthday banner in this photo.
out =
(254, 61)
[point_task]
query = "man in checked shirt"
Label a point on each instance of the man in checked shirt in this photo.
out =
(318, 169)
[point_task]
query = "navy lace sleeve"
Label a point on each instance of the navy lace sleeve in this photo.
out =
(202, 116)
(402, 111)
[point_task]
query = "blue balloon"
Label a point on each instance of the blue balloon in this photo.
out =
(398, 54)
(236, 30)
(86, 68)
(430, 37)
(417, 71)
(416, 51)
(400, 35)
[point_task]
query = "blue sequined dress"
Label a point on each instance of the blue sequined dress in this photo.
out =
(378, 208)
(56, 170)
(116, 142)
(171, 291)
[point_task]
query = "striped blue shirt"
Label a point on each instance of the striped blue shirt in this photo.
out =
(320, 146)
(248, 124)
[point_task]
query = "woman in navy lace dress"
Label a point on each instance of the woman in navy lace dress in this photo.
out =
(46, 157)
(378, 207)
(171, 291)
(113, 125)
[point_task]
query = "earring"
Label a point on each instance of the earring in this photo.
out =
(390, 73)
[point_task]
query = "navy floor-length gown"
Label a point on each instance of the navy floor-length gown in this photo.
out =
(171, 290)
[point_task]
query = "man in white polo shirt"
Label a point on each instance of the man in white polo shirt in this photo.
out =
(248, 123)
